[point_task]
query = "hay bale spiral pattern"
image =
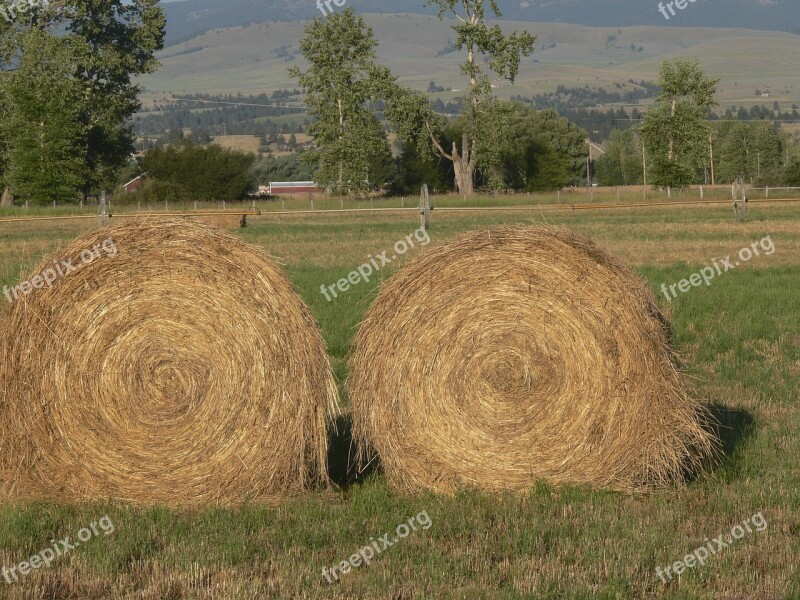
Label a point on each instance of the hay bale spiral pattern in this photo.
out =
(182, 370)
(519, 354)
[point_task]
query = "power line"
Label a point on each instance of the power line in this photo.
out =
(233, 103)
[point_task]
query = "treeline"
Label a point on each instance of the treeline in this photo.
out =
(565, 98)
(758, 151)
(240, 117)
(758, 113)
(545, 152)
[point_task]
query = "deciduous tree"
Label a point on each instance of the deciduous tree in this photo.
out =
(110, 43)
(42, 130)
(340, 83)
(195, 172)
(675, 131)
(485, 120)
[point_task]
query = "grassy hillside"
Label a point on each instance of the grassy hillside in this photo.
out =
(189, 18)
(256, 58)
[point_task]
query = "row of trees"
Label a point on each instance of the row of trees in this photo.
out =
(66, 94)
(545, 152)
(758, 151)
(66, 99)
(499, 144)
(677, 145)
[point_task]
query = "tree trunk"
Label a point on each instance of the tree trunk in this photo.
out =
(671, 156)
(341, 127)
(464, 165)
(8, 198)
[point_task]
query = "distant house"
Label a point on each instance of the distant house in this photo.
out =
(135, 184)
(294, 187)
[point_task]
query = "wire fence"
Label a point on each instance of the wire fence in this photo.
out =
(567, 199)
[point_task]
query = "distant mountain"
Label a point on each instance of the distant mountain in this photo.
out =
(190, 18)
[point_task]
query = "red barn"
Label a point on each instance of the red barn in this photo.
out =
(135, 184)
(294, 187)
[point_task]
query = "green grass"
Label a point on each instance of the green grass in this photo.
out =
(740, 343)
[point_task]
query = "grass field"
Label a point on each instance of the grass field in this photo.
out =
(739, 339)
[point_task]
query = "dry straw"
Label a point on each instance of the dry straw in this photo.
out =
(516, 354)
(184, 370)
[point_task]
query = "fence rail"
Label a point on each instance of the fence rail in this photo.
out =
(228, 213)
(563, 206)
(566, 199)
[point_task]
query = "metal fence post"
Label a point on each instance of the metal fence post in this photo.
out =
(103, 212)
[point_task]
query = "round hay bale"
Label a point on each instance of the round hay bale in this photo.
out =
(178, 366)
(519, 354)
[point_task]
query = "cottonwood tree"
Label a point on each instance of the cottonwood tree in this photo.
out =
(123, 36)
(110, 43)
(484, 121)
(42, 126)
(544, 151)
(676, 134)
(340, 84)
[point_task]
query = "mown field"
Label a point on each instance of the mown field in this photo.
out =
(739, 339)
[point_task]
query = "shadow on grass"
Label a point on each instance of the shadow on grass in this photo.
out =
(732, 427)
(343, 467)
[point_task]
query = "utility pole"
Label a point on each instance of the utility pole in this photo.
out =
(644, 166)
(711, 148)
